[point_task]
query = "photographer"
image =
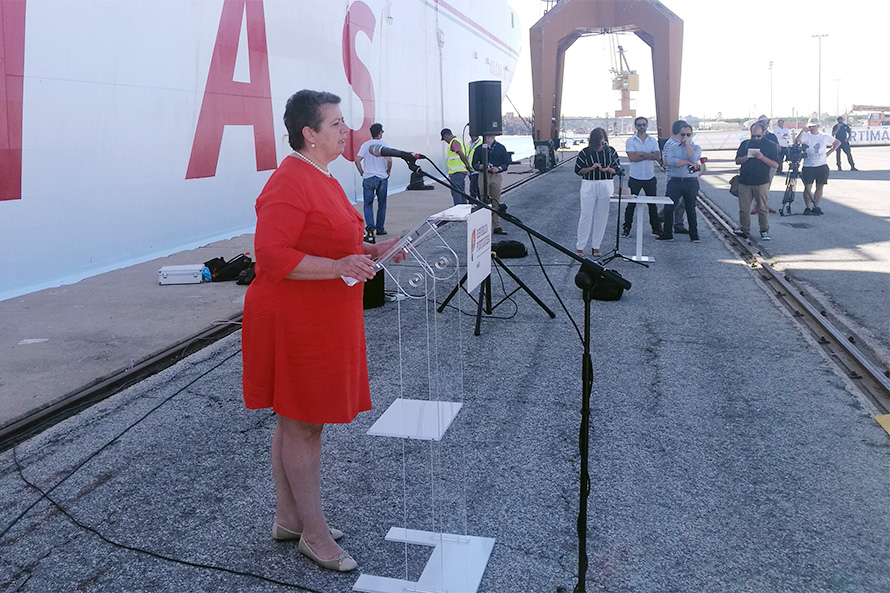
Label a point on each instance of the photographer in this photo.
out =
(815, 164)
(756, 156)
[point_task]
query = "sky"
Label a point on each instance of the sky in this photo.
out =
(727, 49)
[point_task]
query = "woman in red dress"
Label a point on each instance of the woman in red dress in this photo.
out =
(303, 337)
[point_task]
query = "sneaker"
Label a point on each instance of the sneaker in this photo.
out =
(656, 232)
(764, 236)
(853, 169)
(381, 232)
(681, 229)
(740, 233)
(808, 212)
(663, 237)
(694, 239)
(499, 232)
(625, 233)
(818, 211)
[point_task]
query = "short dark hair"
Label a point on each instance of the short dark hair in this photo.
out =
(304, 109)
(840, 118)
(641, 118)
(760, 125)
(679, 125)
(376, 130)
(598, 135)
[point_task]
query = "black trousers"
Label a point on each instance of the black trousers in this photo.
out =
(648, 186)
(845, 146)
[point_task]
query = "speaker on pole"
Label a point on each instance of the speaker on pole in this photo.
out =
(485, 108)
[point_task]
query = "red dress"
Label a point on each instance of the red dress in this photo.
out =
(303, 341)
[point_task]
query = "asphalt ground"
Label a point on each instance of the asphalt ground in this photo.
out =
(726, 453)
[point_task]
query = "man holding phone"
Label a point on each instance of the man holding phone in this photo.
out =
(756, 156)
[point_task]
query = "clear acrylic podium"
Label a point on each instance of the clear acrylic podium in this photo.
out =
(430, 401)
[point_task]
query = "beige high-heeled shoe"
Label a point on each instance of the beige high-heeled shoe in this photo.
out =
(284, 534)
(341, 563)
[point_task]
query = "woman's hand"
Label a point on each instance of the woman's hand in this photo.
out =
(378, 249)
(360, 267)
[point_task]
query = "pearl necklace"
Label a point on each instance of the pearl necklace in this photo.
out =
(306, 159)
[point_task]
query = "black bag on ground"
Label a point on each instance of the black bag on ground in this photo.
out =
(222, 270)
(247, 276)
(509, 249)
(606, 289)
(374, 295)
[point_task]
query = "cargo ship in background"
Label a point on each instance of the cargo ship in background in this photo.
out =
(135, 129)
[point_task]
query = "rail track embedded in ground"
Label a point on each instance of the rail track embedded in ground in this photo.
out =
(838, 342)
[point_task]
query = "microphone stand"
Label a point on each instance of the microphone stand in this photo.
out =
(587, 277)
(619, 170)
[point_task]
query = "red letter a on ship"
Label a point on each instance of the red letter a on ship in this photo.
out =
(12, 76)
(230, 103)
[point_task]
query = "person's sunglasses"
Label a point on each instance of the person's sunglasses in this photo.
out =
(686, 135)
(757, 136)
(642, 125)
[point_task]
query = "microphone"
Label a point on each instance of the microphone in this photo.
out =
(381, 150)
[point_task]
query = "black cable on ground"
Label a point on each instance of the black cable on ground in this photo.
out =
(46, 495)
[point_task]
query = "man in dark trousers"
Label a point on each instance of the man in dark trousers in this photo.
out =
(842, 132)
(642, 152)
(498, 161)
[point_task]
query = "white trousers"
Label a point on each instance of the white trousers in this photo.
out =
(595, 197)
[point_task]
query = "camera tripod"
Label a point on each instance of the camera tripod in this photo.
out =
(790, 184)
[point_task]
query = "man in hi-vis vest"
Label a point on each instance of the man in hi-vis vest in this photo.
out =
(458, 165)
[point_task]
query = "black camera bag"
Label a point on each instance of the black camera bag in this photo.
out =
(606, 289)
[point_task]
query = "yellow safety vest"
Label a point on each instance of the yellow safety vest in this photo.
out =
(472, 149)
(452, 159)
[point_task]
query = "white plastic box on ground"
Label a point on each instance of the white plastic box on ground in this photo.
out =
(187, 274)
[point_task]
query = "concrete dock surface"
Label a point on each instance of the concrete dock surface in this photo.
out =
(726, 452)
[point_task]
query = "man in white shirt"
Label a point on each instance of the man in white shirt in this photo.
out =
(642, 152)
(815, 163)
(375, 180)
(784, 137)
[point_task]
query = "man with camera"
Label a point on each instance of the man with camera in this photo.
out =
(815, 164)
(756, 156)
(683, 161)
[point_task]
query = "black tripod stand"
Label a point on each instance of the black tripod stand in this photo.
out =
(585, 279)
(795, 155)
(616, 252)
(484, 303)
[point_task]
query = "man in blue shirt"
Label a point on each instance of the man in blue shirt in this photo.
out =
(683, 161)
(498, 161)
(642, 152)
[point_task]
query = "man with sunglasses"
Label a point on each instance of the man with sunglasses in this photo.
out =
(683, 161)
(642, 152)
(756, 156)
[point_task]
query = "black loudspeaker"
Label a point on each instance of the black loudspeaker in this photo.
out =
(485, 108)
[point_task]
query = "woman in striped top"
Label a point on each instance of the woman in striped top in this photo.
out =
(596, 166)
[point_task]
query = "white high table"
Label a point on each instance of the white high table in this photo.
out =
(639, 200)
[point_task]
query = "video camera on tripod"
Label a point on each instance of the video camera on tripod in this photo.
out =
(796, 154)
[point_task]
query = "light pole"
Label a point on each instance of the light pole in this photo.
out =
(819, 37)
(770, 88)
(837, 98)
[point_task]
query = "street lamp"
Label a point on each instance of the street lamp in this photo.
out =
(819, 37)
(770, 88)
